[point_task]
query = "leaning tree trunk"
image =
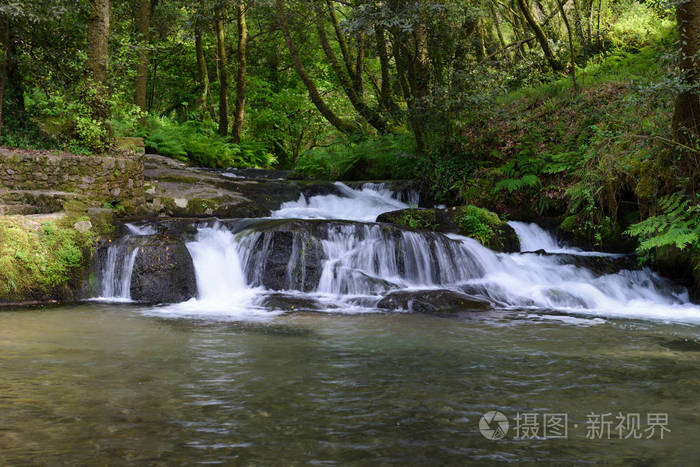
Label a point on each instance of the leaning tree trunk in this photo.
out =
(223, 73)
(241, 75)
(571, 41)
(143, 24)
(539, 34)
(686, 117)
(350, 88)
(98, 34)
(314, 95)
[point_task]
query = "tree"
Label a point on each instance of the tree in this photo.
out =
(539, 35)
(222, 68)
(342, 125)
(143, 24)
(97, 37)
(241, 74)
(686, 117)
(4, 57)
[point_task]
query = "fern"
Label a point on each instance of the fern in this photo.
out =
(678, 225)
(511, 185)
(563, 162)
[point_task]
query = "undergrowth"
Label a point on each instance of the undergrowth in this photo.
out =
(198, 142)
(387, 157)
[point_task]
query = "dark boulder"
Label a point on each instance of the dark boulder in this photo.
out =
(290, 303)
(163, 272)
(284, 258)
(432, 301)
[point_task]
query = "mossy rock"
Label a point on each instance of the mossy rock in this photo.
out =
(44, 262)
(417, 219)
(471, 221)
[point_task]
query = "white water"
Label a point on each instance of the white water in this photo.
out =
(357, 205)
(534, 238)
(222, 293)
(145, 229)
(119, 264)
(361, 263)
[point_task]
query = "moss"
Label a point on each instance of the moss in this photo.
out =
(569, 224)
(38, 263)
(421, 219)
(480, 224)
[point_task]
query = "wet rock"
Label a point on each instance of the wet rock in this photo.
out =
(432, 301)
(598, 265)
(163, 272)
(283, 258)
(288, 302)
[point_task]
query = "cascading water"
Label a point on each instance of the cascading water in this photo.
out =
(221, 286)
(357, 205)
(328, 256)
(118, 265)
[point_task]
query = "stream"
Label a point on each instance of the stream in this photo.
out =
(400, 344)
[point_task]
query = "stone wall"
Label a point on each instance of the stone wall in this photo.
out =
(95, 179)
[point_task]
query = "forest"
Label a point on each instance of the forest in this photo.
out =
(349, 232)
(580, 110)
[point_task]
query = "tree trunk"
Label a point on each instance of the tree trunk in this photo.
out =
(686, 117)
(539, 34)
(98, 35)
(143, 24)
(349, 87)
(419, 81)
(571, 41)
(241, 75)
(360, 65)
(342, 43)
(202, 73)
(384, 64)
(4, 57)
(223, 72)
(314, 95)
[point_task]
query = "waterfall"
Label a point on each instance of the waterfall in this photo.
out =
(117, 268)
(222, 293)
(367, 259)
(327, 249)
(364, 204)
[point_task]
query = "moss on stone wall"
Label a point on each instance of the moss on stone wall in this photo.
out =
(44, 260)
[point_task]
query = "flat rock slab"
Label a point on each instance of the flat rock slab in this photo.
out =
(175, 189)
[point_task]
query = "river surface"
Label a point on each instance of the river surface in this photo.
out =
(567, 365)
(111, 384)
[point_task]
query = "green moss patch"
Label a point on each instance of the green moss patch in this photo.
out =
(38, 262)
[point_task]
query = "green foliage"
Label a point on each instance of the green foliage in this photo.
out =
(479, 224)
(199, 143)
(677, 225)
(637, 26)
(386, 157)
